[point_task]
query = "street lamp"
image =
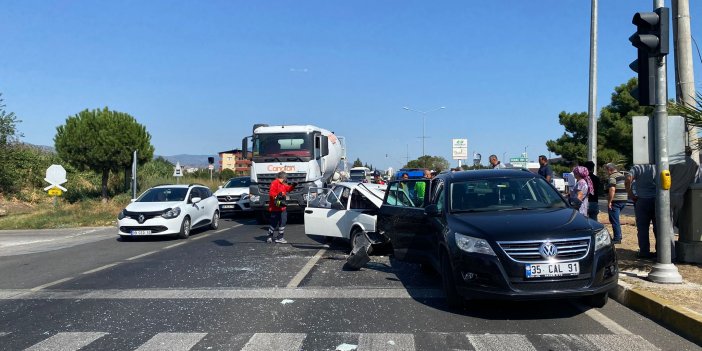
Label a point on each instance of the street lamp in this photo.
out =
(424, 115)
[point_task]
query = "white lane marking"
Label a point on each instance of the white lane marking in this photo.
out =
(275, 341)
(51, 284)
(101, 268)
(140, 256)
(172, 342)
(232, 227)
(174, 245)
(621, 342)
(66, 341)
(386, 341)
(605, 321)
(567, 342)
(499, 342)
(231, 294)
(297, 279)
(201, 236)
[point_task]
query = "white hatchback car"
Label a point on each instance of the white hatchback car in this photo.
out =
(346, 210)
(234, 196)
(169, 210)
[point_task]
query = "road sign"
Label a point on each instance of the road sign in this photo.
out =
(518, 159)
(460, 149)
(178, 171)
(210, 167)
(55, 175)
(55, 192)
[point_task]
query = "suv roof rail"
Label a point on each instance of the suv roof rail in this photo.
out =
(192, 184)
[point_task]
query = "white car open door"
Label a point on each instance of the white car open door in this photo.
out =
(324, 212)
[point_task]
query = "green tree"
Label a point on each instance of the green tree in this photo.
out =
(102, 141)
(614, 131)
(436, 163)
(357, 163)
(9, 140)
(227, 174)
(692, 115)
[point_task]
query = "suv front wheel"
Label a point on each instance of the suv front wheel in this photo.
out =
(453, 300)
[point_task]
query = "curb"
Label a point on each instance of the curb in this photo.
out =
(679, 319)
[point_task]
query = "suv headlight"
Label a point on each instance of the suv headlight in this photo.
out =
(245, 196)
(602, 239)
(255, 198)
(471, 244)
(121, 214)
(171, 213)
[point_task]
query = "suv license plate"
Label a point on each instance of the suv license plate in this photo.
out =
(227, 206)
(141, 232)
(552, 269)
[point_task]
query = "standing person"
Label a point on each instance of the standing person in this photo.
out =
(277, 207)
(420, 188)
(495, 163)
(377, 179)
(583, 187)
(641, 187)
(544, 169)
(616, 199)
(592, 199)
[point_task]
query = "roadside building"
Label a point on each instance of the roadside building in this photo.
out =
(232, 159)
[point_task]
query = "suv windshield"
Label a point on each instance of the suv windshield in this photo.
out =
(503, 194)
(238, 183)
(163, 195)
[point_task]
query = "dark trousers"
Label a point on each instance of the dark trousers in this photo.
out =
(645, 210)
(593, 209)
(613, 213)
(278, 221)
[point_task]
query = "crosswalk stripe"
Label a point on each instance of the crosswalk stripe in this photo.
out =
(380, 342)
(621, 342)
(499, 342)
(275, 341)
(567, 342)
(172, 342)
(66, 342)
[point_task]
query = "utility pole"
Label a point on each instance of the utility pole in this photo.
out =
(664, 271)
(592, 99)
(684, 75)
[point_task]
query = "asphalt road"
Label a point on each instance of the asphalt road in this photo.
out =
(229, 290)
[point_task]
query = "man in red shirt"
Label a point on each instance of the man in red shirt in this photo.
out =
(277, 207)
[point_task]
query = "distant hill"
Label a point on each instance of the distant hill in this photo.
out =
(199, 161)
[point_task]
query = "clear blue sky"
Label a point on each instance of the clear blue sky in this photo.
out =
(199, 74)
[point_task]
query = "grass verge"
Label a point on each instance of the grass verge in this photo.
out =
(86, 213)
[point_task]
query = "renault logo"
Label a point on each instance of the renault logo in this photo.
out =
(141, 219)
(548, 250)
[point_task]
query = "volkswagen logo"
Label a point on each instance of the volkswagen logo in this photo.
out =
(141, 219)
(548, 250)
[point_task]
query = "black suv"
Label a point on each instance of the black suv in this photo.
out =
(499, 234)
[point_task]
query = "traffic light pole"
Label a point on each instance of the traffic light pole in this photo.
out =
(664, 271)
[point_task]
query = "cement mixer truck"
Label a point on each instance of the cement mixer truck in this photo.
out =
(310, 156)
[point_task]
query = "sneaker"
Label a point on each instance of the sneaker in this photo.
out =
(269, 240)
(616, 241)
(281, 241)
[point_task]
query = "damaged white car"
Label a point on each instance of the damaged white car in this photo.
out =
(345, 210)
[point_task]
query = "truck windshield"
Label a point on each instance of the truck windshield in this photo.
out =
(283, 144)
(357, 175)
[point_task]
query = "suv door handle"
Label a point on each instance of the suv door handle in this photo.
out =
(308, 211)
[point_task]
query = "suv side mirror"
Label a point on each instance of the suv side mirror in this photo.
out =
(432, 210)
(338, 206)
(575, 203)
(195, 200)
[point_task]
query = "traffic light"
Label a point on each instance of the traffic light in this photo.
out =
(210, 160)
(651, 40)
